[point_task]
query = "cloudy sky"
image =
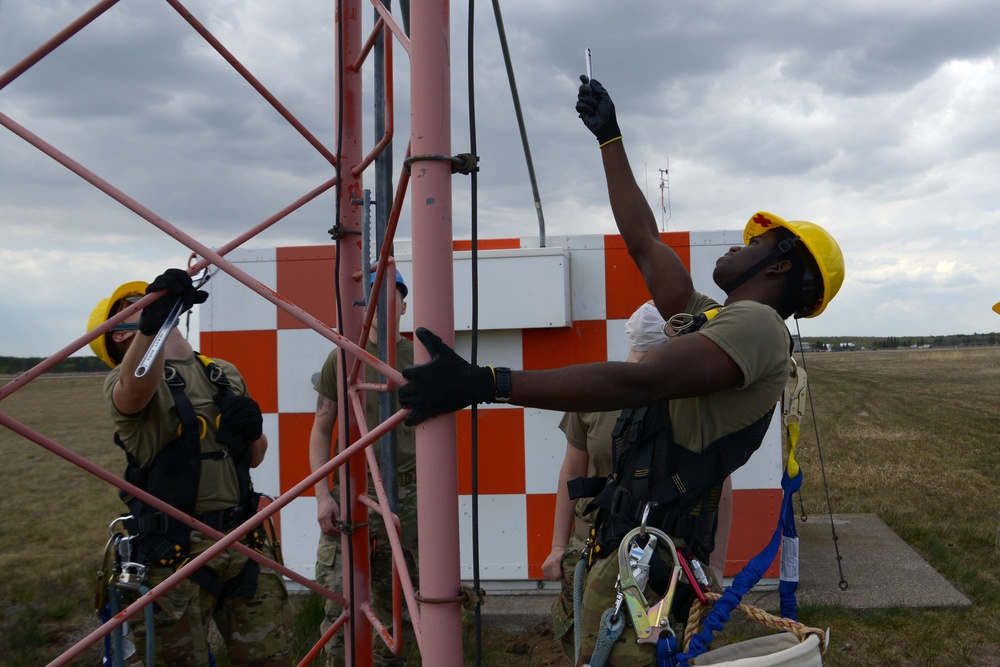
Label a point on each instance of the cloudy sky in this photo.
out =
(876, 119)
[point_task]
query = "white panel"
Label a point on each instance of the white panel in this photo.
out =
(508, 281)
(301, 353)
(266, 476)
(300, 535)
(587, 275)
(706, 248)
(233, 306)
(763, 470)
(725, 238)
(496, 348)
(503, 544)
(617, 347)
(544, 449)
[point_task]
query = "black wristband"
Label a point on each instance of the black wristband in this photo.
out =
(503, 384)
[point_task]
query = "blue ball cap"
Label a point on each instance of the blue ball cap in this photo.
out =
(400, 285)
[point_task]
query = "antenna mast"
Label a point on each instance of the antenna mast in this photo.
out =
(665, 212)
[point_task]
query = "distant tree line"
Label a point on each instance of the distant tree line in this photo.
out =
(901, 342)
(17, 365)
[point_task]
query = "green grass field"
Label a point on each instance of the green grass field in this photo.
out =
(908, 435)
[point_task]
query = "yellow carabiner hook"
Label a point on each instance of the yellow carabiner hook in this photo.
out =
(647, 621)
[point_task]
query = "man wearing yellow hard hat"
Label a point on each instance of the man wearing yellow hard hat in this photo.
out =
(693, 411)
(191, 433)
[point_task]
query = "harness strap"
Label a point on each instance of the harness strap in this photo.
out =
(677, 499)
(160, 522)
(724, 456)
(243, 584)
(586, 487)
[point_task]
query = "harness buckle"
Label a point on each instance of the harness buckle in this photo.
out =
(132, 576)
(217, 376)
(157, 522)
(171, 376)
(619, 497)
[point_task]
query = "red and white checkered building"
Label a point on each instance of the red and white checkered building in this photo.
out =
(539, 308)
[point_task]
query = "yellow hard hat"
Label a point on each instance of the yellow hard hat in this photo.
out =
(821, 246)
(101, 313)
(996, 308)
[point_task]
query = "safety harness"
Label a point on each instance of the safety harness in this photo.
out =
(676, 489)
(160, 540)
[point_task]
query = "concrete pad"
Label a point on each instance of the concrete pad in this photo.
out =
(881, 570)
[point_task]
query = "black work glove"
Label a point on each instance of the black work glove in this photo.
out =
(241, 415)
(179, 286)
(446, 383)
(597, 110)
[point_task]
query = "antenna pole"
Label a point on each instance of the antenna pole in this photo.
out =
(665, 213)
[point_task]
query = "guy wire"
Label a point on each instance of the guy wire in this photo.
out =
(822, 466)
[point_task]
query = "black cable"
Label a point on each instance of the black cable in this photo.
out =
(520, 121)
(822, 466)
(474, 217)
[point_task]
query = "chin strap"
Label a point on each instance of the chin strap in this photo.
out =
(781, 250)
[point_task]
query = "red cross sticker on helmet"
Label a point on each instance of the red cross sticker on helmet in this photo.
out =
(822, 247)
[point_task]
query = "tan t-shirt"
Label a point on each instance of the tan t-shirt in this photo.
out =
(756, 338)
(147, 433)
(327, 386)
(591, 432)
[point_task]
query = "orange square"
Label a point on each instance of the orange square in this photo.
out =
(306, 277)
(255, 354)
(583, 342)
(625, 290)
(293, 452)
(501, 451)
(541, 508)
(755, 515)
(487, 244)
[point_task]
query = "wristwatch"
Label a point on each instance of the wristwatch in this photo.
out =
(503, 385)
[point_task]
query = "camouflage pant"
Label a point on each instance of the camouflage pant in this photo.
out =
(562, 606)
(254, 629)
(329, 574)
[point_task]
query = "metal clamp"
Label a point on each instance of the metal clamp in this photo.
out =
(132, 576)
(463, 163)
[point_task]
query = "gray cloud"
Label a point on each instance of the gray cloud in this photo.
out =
(875, 119)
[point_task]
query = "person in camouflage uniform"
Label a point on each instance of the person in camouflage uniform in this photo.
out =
(254, 630)
(329, 560)
(246, 601)
(588, 454)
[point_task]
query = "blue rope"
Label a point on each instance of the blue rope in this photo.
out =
(788, 582)
(744, 581)
(666, 651)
